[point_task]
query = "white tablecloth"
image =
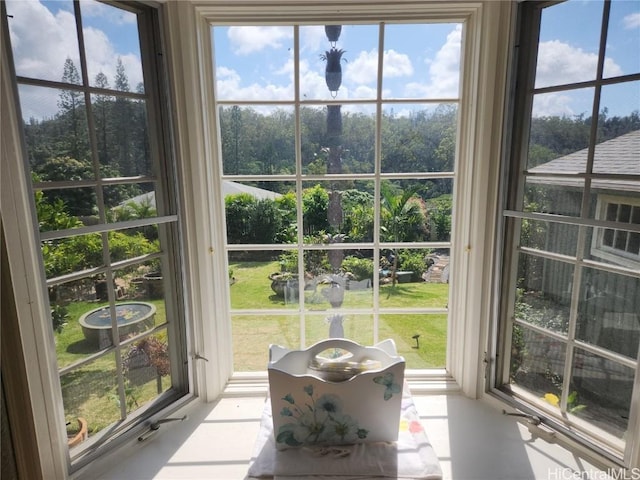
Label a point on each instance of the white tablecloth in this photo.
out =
(411, 457)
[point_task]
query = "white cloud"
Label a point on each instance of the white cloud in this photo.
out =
(102, 57)
(444, 71)
(631, 21)
(364, 92)
(553, 104)
(397, 64)
(42, 41)
(229, 86)
(115, 16)
(560, 63)
(364, 69)
(246, 40)
(312, 38)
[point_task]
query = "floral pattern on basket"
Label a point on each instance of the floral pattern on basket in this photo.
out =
(317, 421)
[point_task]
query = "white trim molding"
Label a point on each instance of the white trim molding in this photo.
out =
(483, 89)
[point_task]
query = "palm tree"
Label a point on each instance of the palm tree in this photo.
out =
(401, 217)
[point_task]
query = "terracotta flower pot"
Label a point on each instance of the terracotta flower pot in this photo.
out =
(81, 435)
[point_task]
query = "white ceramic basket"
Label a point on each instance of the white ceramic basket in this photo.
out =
(317, 400)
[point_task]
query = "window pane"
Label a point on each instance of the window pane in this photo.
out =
(263, 279)
(65, 208)
(122, 136)
(338, 279)
(260, 212)
(544, 292)
(420, 339)
(418, 210)
(345, 68)
(91, 392)
(421, 278)
(623, 37)
(559, 134)
(609, 311)
(537, 361)
(130, 201)
(601, 392)
(339, 155)
(358, 328)
(549, 236)
(618, 136)
(555, 195)
(133, 242)
(147, 371)
(418, 138)
(618, 246)
(141, 281)
(252, 335)
(569, 43)
(253, 62)
(112, 47)
(44, 40)
(325, 130)
(70, 302)
(343, 209)
(433, 73)
(69, 255)
(56, 133)
(257, 140)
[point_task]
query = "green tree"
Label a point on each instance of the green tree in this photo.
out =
(101, 107)
(315, 205)
(78, 201)
(122, 121)
(73, 115)
(252, 220)
(402, 219)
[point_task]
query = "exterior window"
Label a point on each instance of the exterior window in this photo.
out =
(616, 245)
(571, 318)
(103, 197)
(337, 165)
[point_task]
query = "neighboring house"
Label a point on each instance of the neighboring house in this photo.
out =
(228, 188)
(561, 184)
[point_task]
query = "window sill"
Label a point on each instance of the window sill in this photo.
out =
(421, 382)
(216, 441)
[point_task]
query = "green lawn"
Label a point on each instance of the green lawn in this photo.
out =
(253, 334)
(90, 391)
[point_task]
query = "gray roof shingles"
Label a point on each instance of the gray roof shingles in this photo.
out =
(620, 156)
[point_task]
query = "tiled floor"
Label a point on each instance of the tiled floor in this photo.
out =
(472, 439)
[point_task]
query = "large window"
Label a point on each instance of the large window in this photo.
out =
(337, 165)
(618, 246)
(571, 311)
(104, 198)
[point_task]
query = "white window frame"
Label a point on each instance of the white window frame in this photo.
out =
(23, 244)
(483, 82)
(605, 252)
(188, 55)
(603, 448)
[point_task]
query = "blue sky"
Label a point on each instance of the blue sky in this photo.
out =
(256, 63)
(569, 42)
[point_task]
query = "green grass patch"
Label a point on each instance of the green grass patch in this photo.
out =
(252, 335)
(90, 391)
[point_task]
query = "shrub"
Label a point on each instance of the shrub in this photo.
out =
(59, 317)
(315, 205)
(252, 220)
(413, 262)
(361, 268)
